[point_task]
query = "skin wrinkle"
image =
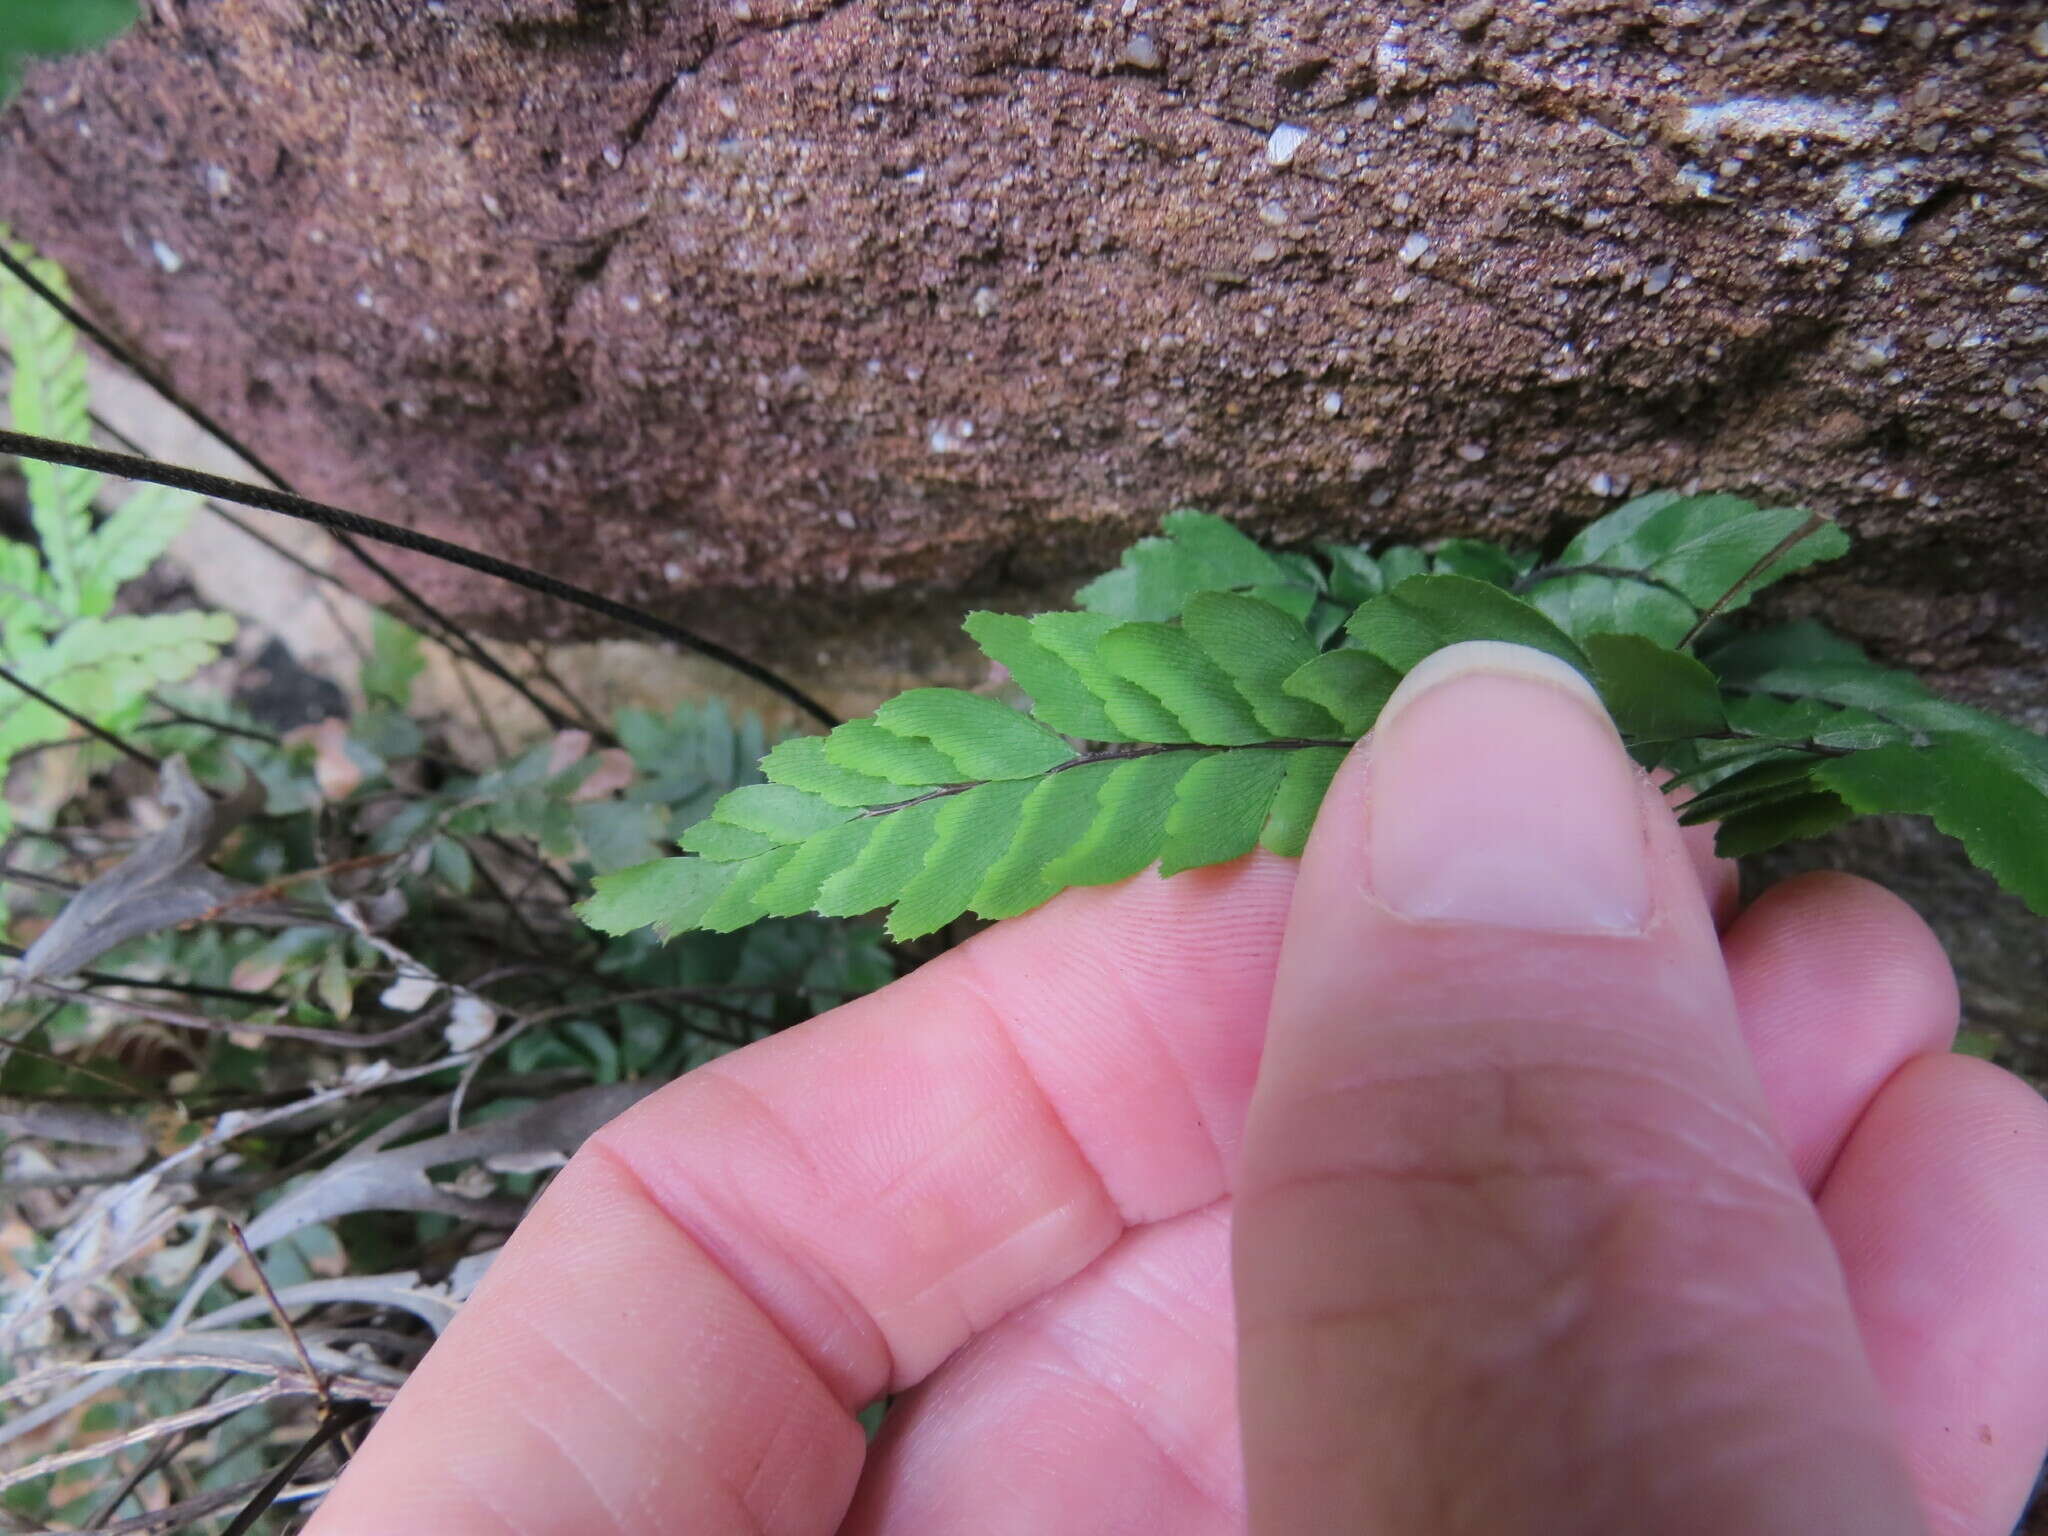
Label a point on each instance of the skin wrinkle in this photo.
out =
(986, 1412)
(1830, 947)
(1067, 1374)
(1608, 1445)
(1810, 1443)
(459, 1469)
(1058, 1335)
(971, 1326)
(1608, 1206)
(989, 1422)
(856, 1323)
(535, 1328)
(639, 1191)
(524, 1409)
(1551, 1350)
(976, 982)
(792, 1487)
(562, 1449)
(968, 1324)
(972, 984)
(1948, 1268)
(1033, 1457)
(1613, 1197)
(1514, 1080)
(1177, 920)
(1133, 1413)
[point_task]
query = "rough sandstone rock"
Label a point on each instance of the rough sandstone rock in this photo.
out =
(882, 303)
(709, 304)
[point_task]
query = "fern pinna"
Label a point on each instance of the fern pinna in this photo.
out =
(1198, 703)
(58, 630)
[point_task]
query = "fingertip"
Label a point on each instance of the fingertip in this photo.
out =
(1838, 982)
(1848, 911)
(1934, 1206)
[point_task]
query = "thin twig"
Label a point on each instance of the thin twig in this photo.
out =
(484, 720)
(156, 1429)
(277, 887)
(150, 1464)
(26, 276)
(585, 716)
(1543, 573)
(180, 717)
(181, 1515)
(529, 1021)
(37, 882)
(183, 988)
(340, 521)
(541, 864)
(157, 1013)
(332, 1424)
(516, 918)
(284, 1319)
(455, 637)
(36, 1053)
(18, 1042)
(91, 728)
(322, 579)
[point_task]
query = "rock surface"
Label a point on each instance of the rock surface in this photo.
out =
(877, 304)
(709, 304)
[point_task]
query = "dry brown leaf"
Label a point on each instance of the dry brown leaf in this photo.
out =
(334, 769)
(566, 750)
(258, 973)
(614, 771)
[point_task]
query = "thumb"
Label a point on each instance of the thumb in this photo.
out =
(1516, 1248)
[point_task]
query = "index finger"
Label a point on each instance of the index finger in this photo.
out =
(679, 1334)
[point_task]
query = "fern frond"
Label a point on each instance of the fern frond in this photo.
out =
(48, 398)
(128, 543)
(1193, 711)
(101, 667)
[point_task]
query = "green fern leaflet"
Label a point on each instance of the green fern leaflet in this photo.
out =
(58, 629)
(1199, 702)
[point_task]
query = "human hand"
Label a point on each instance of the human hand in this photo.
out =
(1552, 1210)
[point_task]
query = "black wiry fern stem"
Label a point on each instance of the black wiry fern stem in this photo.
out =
(339, 520)
(437, 624)
(90, 727)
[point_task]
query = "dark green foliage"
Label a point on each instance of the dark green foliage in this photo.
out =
(1655, 695)
(55, 26)
(1203, 698)
(1427, 613)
